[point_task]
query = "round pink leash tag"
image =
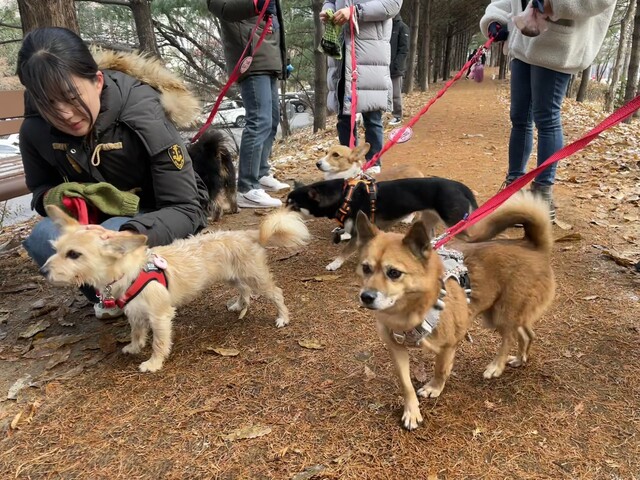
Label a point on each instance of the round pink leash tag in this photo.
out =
(406, 135)
(246, 63)
(159, 262)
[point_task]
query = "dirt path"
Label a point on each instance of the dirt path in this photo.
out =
(573, 412)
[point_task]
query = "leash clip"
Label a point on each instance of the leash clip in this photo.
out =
(399, 338)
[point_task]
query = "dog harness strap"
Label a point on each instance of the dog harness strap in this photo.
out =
(150, 273)
(349, 188)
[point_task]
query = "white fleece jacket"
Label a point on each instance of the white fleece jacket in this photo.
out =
(575, 35)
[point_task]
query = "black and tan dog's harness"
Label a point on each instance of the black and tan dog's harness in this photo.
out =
(349, 189)
(454, 267)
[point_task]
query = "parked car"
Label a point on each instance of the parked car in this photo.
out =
(8, 149)
(299, 102)
(231, 112)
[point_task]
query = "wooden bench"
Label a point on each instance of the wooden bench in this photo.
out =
(12, 181)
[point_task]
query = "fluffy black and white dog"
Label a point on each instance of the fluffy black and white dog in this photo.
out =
(213, 162)
(438, 199)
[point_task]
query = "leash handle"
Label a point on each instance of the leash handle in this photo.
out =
(238, 70)
(499, 198)
(354, 79)
(400, 132)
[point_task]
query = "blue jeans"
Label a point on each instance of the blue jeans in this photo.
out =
(373, 132)
(536, 97)
(38, 245)
(260, 97)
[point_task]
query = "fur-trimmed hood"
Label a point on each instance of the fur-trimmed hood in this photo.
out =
(178, 102)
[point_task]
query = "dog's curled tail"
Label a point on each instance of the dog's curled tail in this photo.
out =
(283, 228)
(523, 208)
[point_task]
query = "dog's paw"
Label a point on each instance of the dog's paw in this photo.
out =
(411, 418)
(345, 236)
(150, 366)
(282, 322)
(430, 390)
(335, 265)
(493, 371)
(131, 349)
(516, 362)
(237, 305)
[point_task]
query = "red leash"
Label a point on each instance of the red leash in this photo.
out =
(244, 62)
(500, 197)
(414, 120)
(354, 79)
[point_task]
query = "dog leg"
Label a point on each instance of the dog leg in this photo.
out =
(444, 364)
(495, 368)
(241, 303)
(411, 416)
(139, 332)
(266, 287)
(161, 328)
(347, 251)
(525, 338)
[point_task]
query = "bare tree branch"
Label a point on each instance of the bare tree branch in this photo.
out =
(122, 3)
(17, 27)
(5, 42)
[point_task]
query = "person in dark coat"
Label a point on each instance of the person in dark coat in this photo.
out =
(483, 59)
(88, 122)
(398, 66)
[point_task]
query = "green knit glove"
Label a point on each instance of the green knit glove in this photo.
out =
(109, 200)
(331, 43)
(54, 194)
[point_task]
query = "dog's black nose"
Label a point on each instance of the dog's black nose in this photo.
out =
(319, 164)
(44, 271)
(368, 297)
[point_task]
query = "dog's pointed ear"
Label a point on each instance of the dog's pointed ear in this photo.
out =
(60, 218)
(121, 243)
(360, 151)
(417, 240)
(365, 230)
(298, 184)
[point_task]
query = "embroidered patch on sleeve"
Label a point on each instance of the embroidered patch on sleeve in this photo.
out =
(176, 156)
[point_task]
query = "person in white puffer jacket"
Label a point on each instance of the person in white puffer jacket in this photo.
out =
(541, 67)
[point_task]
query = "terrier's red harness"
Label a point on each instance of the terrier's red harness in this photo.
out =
(149, 273)
(348, 190)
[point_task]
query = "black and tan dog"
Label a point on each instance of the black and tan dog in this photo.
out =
(512, 285)
(213, 162)
(441, 198)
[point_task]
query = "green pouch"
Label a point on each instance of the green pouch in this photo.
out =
(331, 43)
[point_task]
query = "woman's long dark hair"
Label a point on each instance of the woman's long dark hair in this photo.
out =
(47, 60)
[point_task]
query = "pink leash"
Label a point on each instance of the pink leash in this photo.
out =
(354, 79)
(500, 197)
(244, 62)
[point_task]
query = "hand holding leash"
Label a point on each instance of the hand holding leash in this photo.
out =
(498, 32)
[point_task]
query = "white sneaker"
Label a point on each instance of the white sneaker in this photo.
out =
(269, 182)
(257, 198)
(103, 313)
(395, 121)
(374, 169)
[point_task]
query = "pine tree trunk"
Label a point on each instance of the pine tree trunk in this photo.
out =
(409, 78)
(144, 26)
(424, 57)
(634, 63)
(446, 67)
(47, 13)
(584, 84)
(618, 66)
(502, 72)
(320, 72)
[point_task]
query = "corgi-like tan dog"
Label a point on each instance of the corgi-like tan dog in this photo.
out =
(512, 282)
(112, 261)
(342, 162)
(402, 280)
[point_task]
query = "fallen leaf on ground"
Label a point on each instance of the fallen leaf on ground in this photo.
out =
(17, 386)
(562, 225)
(570, 237)
(368, 373)
(59, 357)
(224, 351)
(39, 303)
(251, 431)
(322, 278)
(107, 343)
(35, 328)
(57, 341)
(311, 344)
(590, 297)
(579, 408)
(309, 472)
(4, 316)
(18, 288)
(619, 258)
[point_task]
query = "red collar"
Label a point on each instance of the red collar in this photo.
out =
(151, 272)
